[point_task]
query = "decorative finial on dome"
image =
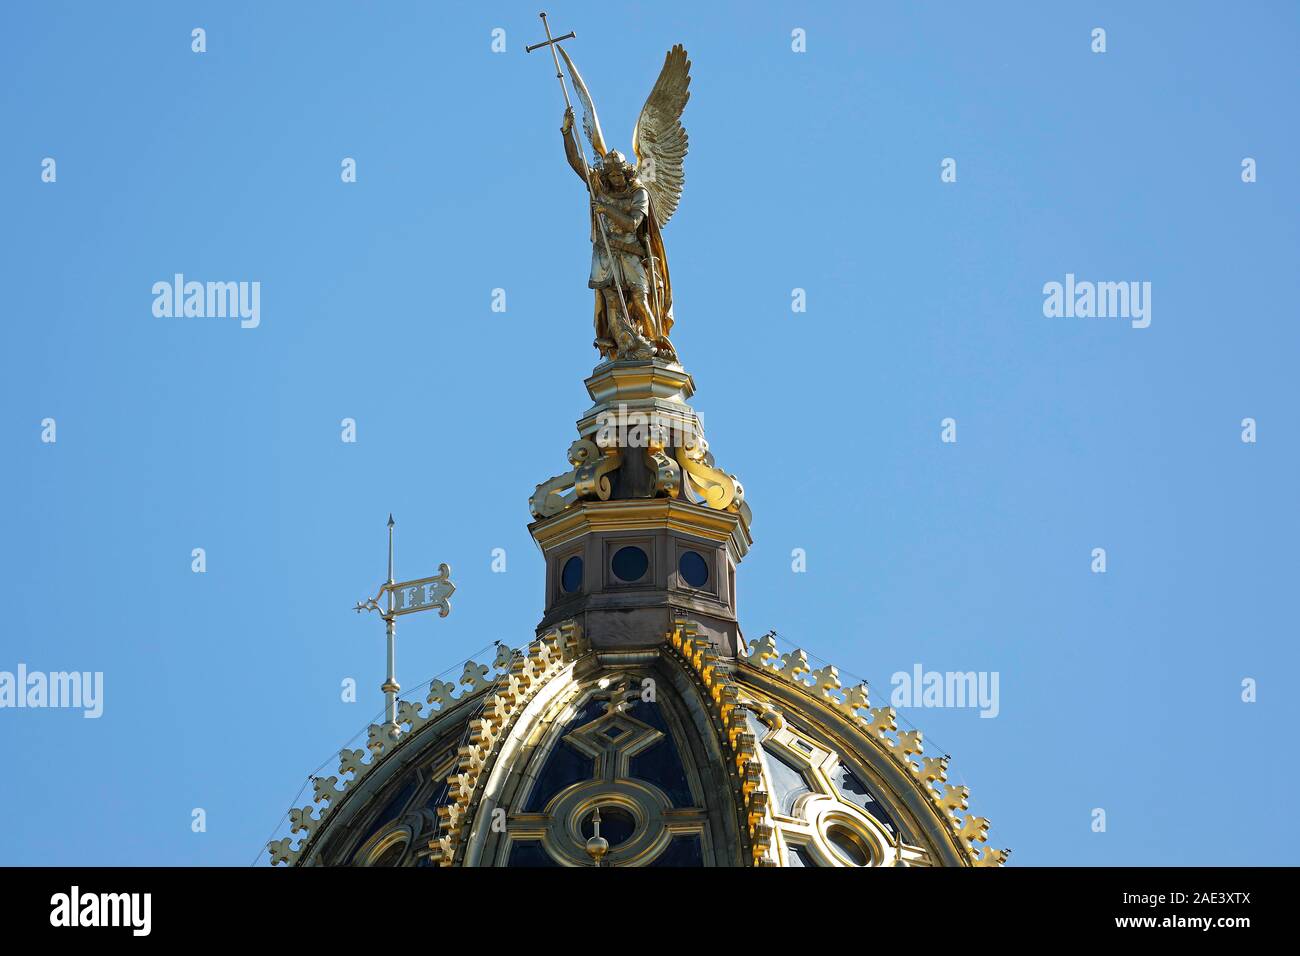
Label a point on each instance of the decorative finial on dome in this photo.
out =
(597, 846)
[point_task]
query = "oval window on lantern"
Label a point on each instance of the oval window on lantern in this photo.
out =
(571, 575)
(693, 569)
(629, 564)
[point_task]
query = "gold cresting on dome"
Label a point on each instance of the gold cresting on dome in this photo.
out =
(528, 672)
(880, 726)
(518, 670)
(699, 654)
(796, 708)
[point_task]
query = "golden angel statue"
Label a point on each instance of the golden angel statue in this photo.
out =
(630, 205)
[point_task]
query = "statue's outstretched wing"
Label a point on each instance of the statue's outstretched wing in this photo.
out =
(659, 139)
(590, 122)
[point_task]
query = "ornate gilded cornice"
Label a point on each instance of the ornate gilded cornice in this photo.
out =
(641, 514)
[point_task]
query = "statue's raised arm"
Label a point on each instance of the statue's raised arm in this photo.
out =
(571, 147)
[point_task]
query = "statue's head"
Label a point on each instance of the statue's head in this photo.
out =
(617, 171)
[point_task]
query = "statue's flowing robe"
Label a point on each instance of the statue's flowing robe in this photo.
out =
(631, 252)
(664, 307)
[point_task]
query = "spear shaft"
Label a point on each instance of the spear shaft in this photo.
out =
(586, 170)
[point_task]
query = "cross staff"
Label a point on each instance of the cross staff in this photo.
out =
(405, 597)
(552, 42)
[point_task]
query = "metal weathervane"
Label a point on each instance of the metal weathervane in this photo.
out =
(396, 598)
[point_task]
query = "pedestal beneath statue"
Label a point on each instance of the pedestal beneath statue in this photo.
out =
(645, 527)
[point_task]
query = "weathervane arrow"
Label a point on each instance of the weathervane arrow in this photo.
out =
(420, 594)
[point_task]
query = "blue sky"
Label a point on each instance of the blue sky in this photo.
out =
(818, 171)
